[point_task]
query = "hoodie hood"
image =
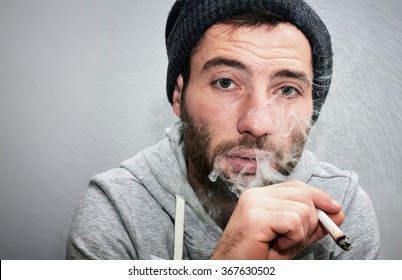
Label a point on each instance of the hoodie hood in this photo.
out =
(162, 170)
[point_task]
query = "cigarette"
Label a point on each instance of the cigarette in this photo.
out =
(336, 233)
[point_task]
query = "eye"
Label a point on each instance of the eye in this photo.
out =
(289, 91)
(224, 83)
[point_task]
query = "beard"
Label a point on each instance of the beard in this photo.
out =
(197, 140)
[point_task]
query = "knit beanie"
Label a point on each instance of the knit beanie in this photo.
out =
(188, 20)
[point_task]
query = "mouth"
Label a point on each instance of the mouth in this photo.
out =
(246, 161)
(246, 165)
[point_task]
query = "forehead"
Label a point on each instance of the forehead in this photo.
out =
(283, 43)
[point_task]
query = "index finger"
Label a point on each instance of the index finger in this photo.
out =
(321, 199)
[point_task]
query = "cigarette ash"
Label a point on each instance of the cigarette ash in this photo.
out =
(344, 243)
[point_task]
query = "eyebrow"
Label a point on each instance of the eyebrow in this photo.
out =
(220, 61)
(285, 73)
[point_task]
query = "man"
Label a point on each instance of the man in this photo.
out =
(232, 179)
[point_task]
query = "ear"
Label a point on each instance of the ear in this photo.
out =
(178, 90)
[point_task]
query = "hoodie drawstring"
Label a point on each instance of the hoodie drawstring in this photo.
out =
(179, 228)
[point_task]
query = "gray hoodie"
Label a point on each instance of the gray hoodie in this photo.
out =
(130, 212)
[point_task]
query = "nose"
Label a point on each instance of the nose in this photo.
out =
(257, 116)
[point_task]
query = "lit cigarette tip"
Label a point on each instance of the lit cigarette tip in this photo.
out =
(337, 235)
(344, 243)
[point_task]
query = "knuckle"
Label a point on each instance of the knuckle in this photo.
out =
(304, 211)
(294, 183)
(247, 194)
(251, 196)
(295, 221)
(304, 195)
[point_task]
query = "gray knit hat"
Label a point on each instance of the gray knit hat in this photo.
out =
(188, 20)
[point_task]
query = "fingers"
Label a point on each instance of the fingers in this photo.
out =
(276, 222)
(295, 197)
(303, 192)
(248, 234)
(278, 214)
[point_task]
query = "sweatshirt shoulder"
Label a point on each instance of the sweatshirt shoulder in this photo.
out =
(121, 186)
(326, 170)
(112, 176)
(130, 172)
(100, 223)
(114, 217)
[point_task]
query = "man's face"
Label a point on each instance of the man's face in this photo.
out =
(249, 97)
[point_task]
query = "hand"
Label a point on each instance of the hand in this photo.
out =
(276, 222)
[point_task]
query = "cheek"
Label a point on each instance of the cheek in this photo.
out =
(217, 123)
(220, 118)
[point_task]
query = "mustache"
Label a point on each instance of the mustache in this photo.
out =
(246, 142)
(285, 160)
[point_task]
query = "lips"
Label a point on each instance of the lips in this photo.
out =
(246, 161)
(239, 164)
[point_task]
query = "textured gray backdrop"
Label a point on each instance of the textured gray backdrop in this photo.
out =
(82, 89)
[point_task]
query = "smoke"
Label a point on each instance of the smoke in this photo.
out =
(264, 174)
(272, 162)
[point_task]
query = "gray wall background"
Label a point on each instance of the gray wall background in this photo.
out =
(82, 87)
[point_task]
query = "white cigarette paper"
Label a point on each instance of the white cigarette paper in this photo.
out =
(336, 233)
